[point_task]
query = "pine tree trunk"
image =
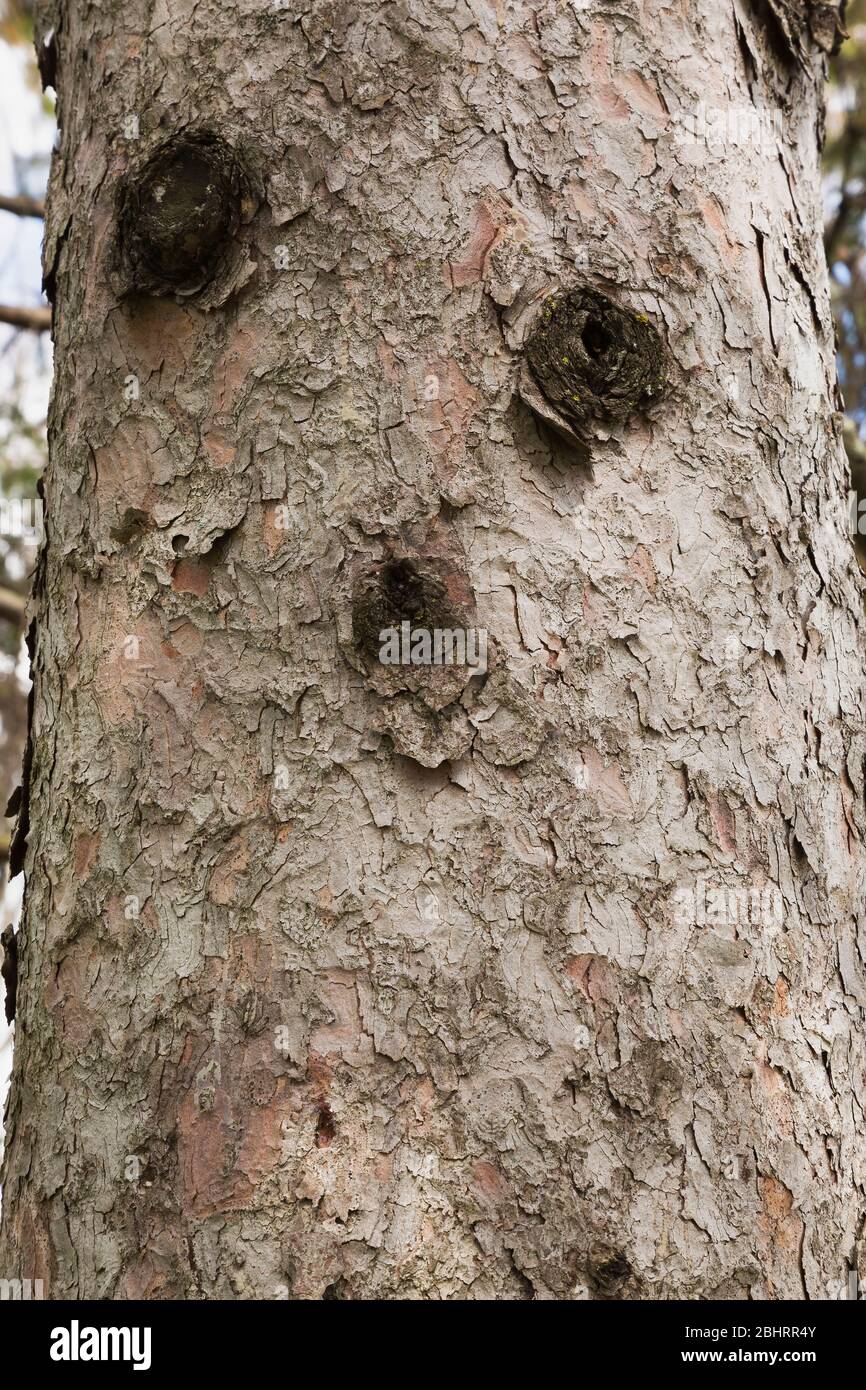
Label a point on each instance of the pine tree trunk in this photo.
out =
(345, 980)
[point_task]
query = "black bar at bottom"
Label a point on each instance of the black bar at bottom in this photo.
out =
(238, 1339)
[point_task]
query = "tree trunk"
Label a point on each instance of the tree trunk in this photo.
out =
(347, 980)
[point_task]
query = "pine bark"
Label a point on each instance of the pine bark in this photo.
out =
(336, 983)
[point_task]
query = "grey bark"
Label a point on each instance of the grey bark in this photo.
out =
(337, 983)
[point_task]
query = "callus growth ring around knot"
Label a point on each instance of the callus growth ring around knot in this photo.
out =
(592, 359)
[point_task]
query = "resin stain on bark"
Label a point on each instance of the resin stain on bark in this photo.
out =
(180, 214)
(593, 360)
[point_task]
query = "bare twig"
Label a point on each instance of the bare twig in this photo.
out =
(22, 206)
(37, 320)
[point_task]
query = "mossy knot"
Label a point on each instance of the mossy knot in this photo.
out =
(594, 360)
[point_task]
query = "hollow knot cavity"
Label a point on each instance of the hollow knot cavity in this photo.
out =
(179, 214)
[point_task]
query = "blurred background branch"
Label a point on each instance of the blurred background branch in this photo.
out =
(22, 206)
(36, 320)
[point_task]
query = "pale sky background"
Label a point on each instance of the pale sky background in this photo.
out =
(26, 137)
